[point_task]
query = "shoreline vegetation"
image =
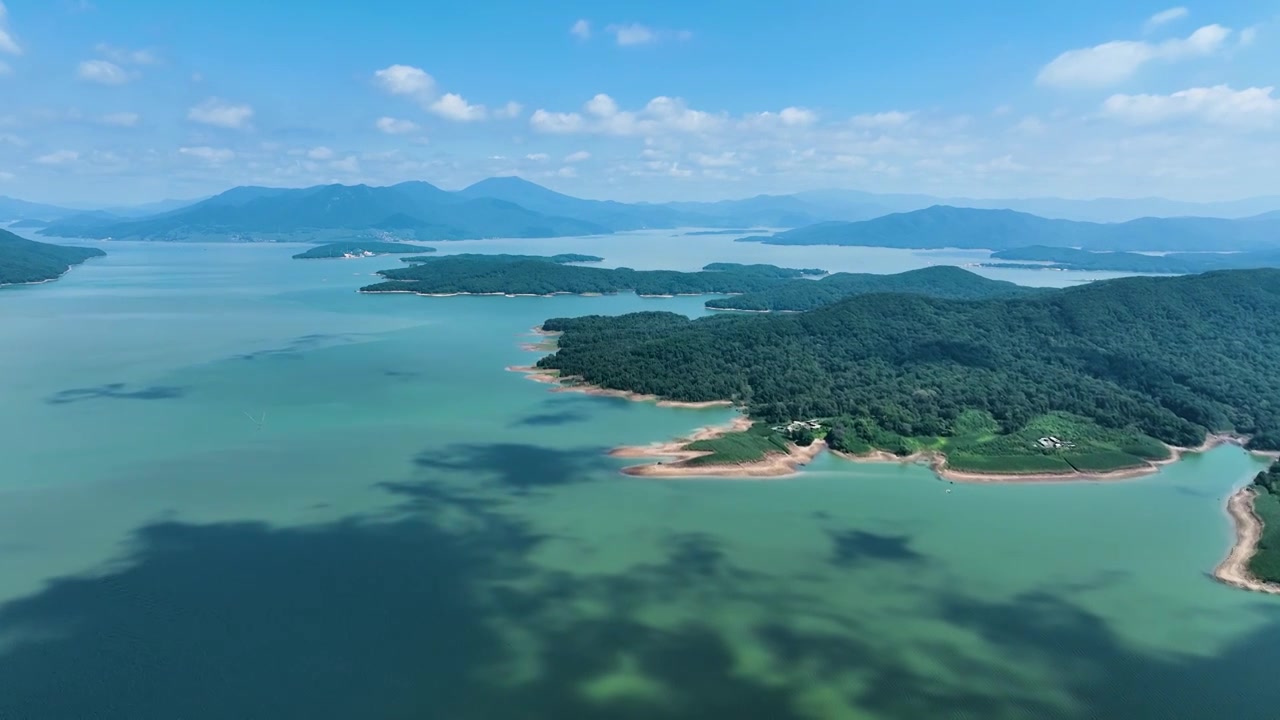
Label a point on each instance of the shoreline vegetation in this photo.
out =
(29, 262)
(1235, 569)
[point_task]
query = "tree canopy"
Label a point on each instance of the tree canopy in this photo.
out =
(1169, 357)
(25, 261)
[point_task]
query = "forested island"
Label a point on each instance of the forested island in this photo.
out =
(940, 281)
(1058, 258)
(360, 248)
(531, 275)
(1084, 380)
(561, 259)
(28, 261)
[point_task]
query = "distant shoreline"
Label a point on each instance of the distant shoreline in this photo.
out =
(1234, 568)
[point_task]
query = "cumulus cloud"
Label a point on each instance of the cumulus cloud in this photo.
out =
(59, 157)
(207, 154)
(1114, 62)
(7, 43)
(395, 126)
(581, 29)
(632, 34)
(1217, 105)
(121, 119)
(601, 115)
(320, 153)
(349, 164)
(405, 80)
(577, 157)
(537, 157)
(511, 110)
(102, 72)
(1166, 16)
(889, 119)
(220, 113)
(125, 56)
(454, 107)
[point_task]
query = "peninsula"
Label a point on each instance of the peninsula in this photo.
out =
(1059, 258)
(24, 261)
(534, 275)
(361, 248)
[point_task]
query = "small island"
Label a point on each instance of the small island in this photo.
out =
(24, 261)
(1039, 257)
(360, 248)
(560, 274)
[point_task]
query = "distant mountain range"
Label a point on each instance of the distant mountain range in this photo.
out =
(512, 207)
(943, 226)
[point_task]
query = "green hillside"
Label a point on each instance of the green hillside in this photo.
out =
(940, 281)
(27, 261)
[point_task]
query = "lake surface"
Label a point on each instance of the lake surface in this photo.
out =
(231, 487)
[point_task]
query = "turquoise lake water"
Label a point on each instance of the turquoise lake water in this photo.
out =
(232, 487)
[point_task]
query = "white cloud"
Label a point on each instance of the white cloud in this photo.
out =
(320, 153)
(797, 117)
(208, 154)
(1166, 16)
(724, 159)
(581, 29)
(566, 172)
(1248, 35)
(221, 114)
(889, 119)
(632, 34)
(602, 106)
(556, 122)
(454, 107)
(59, 157)
(121, 119)
(1114, 62)
(537, 157)
(395, 126)
(1218, 105)
(124, 56)
(511, 110)
(405, 80)
(577, 157)
(7, 43)
(102, 72)
(349, 164)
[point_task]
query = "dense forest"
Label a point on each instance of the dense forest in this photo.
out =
(360, 247)
(940, 281)
(527, 275)
(1171, 263)
(1148, 357)
(27, 261)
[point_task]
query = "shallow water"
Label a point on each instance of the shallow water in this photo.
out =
(233, 487)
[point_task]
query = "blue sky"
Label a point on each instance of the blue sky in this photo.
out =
(105, 102)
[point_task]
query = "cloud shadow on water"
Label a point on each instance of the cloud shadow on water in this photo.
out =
(518, 466)
(855, 547)
(116, 391)
(409, 616)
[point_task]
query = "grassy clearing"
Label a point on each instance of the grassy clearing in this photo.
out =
(1009, 464)
(739, 447)
(1103, 461)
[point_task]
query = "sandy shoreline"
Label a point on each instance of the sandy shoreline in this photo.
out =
(553, 377)
(673, 459)
(1234, 569)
